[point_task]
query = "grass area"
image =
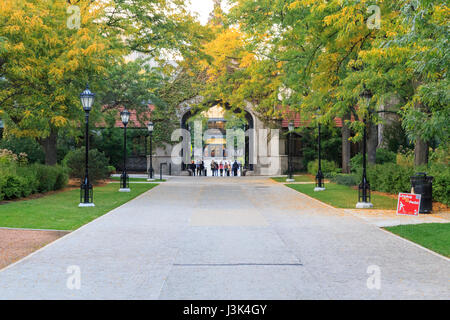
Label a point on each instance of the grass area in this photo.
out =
(434, 236)
(60, 211)
(340, 196)
(301, 178)
(137, 179)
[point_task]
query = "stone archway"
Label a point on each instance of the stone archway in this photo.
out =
(266, 159)
(249, 138)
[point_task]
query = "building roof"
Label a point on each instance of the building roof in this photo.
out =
(289, 116)
(134, 121)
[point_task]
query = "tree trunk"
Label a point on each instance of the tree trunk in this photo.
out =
(372, 142)
(346, 154)
(49, 146)
(420, 153)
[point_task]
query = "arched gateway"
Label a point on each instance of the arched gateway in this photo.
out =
(207, 137)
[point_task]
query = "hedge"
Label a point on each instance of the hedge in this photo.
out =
(329, 168)
(393, 178)
(18, 182)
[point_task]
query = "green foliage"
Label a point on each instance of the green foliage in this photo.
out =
(441, 183)
(10, 187)
(394, 178)
(389, 177)
(346, 179)
(395, 137)
(330, 143)
(385, 156)
(111, 170)
(382, 156)
(98, 164)
(110, 142)
(328, 167)
(50, 177)
(22, 181)
(24, 145)
(440, 155)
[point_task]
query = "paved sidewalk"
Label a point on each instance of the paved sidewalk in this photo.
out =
(228, 238)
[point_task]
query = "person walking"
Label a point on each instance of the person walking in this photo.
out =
(235, 168)
(192, 167)
(227, 169)
(199, 171)
(221, 168)
(216, 168)
(212, 168)
(202, 168)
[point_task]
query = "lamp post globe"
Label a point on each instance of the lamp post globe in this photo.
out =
(86, 190)
(291, 128)
(364, 196)
(150, 128)
(124, 179)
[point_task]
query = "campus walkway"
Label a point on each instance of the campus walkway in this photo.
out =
(228, 238)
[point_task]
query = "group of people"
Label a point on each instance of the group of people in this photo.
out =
(222, 168)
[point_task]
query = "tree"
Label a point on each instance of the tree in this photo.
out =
(45, 66)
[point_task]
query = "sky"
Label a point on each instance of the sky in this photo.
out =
(204, 8)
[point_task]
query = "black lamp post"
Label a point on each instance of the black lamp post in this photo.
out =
(150, 128)
(87, 192)
(320, 185)
(124, 180)
(291, 128)
(364, 196)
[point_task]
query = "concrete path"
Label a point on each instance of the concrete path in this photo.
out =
(227, 238)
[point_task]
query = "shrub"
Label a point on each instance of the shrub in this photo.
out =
(394, 178)
(328, 168)
(346, 179)
(50, 177)
(382, 156)
(22, 181)
(75, 163)
(111, 170)
(389, 177)
(11, 186)
(28, 146)
(7, 157)
(441, 183)
(385, 156)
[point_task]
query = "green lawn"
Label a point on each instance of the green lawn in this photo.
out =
(137, 179)
(340, 196)
(60, 211)
(301, 178)
(434, 236)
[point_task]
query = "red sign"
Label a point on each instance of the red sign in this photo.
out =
(408, 204)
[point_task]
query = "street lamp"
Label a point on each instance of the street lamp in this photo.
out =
(320, 185)
(291, 128)
(86, 191)
(150, 128)
(124, 184)
(364, 195)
